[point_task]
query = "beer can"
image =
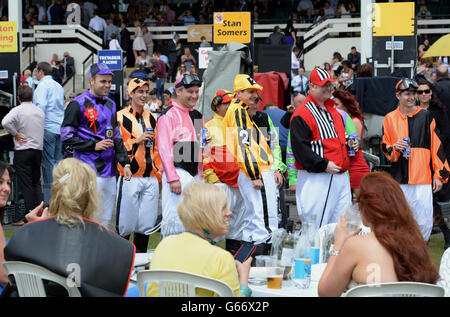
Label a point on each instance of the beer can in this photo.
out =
(203, 138)
(350, 142)
(150, 142)
(407, 150)
(109, 132)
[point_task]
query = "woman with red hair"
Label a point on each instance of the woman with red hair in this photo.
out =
(393, 251)
(345, 101)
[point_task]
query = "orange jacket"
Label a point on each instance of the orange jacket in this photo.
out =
(426, 147)
(144, 161)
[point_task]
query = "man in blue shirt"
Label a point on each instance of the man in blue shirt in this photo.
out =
(187, 18)
(300, 82)
(49, 96)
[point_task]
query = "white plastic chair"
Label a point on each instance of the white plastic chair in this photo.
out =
(172, 283)
(396, 289)
(325, 240)
(444, 272)
(29, 279)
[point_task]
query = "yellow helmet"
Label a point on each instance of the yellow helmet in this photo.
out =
(244, 81)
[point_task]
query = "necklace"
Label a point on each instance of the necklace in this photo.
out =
(208, 239)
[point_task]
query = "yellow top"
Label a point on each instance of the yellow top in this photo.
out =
(241, 135)
(190, 253)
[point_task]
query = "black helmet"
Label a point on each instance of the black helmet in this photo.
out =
(406, 84)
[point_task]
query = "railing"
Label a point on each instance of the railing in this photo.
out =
(91, 59)
(28, 55)
(71, 77)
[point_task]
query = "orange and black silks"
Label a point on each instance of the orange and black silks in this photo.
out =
(427, 151)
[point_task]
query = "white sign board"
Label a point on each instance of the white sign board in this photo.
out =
(203, 59)
(398, 45)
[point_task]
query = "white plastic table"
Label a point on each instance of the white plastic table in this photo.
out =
(291, 290)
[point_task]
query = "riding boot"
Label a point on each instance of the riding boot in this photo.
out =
(141, 242)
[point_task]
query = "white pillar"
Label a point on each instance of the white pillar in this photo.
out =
(15, 15)
(366, 29)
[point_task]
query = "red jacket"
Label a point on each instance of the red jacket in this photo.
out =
(318, 136)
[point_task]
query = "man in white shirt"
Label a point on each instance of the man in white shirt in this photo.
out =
(300, 82)
(26, 124)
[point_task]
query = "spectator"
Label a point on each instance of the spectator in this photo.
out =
(276, 38)
(126, 44)
(90, 8)
(182, 70)
(342, 11)
(327, 68)
(170, 15)
(187, 18)
(442, 87)
(5, 190)
(309, 17)
(68, 64)
(42, 15)
(346, 102)
(423, 13)
(138, 42)
(167, 99)
(396, 255)
(346, 77)
(174, 53)
(154, 104)
(354, 57)
(300, 82)
(86, 136)
(57, 13)
(303, 5)
(335, 63)
(188, 59)
(276, 114)
(148, 40)
(49, 15)
(114, 43)
(26, 124)
(295, 63)
(160, 75)
(111, 29)
(194, 70)
(70, 236)
(98, 25)
(328, 10)
(322, 166)
(204, 42)
(29, 78)
(365, 70)
(49, 97)
(143, 61)
(204, 213)
(423, 171)
(430, 102)
(290, 33)
(179, 170)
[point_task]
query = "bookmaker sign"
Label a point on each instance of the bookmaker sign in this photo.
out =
(232, 27)
(8, 37)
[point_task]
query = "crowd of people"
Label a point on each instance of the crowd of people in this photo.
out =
(105, 169)
(222, 179)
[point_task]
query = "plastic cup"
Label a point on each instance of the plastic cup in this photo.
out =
(274, 277)
(353, 218)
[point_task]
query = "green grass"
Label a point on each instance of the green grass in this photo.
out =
(435, 246)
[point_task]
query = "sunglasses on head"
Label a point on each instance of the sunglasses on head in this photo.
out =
(426, 91)
(189, 80)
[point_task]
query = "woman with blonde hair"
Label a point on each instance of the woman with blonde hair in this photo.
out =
(148, 40)
(138, 42)
(204, 213)
(67, 234)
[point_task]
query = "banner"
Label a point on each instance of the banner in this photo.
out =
(111, 58)
(8, 37)
(232, 27)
